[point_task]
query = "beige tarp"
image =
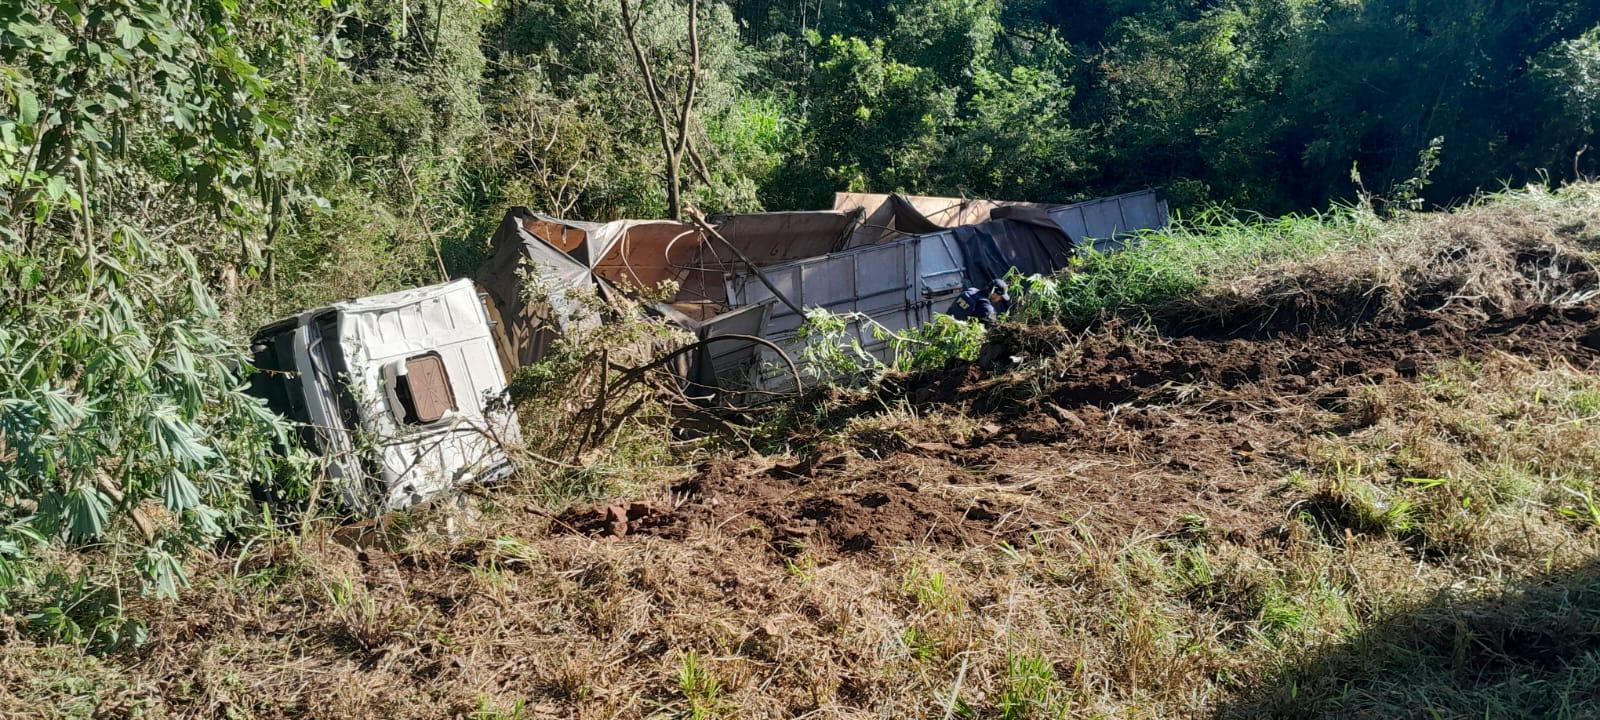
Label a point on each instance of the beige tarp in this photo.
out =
(778, 237)
(887, 217)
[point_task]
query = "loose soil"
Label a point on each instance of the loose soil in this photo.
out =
(1134, 430)
(1119, 504)
(1135, 433)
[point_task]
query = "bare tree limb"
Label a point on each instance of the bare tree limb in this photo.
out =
(694, 76)
(672, 123)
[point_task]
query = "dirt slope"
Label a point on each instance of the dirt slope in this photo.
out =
(1133, 434)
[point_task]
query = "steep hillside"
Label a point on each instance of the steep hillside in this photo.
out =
(1345, 467)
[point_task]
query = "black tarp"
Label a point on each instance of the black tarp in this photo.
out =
(1024, 239)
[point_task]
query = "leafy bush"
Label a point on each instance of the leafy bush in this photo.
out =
(832, 350)
(123, 426)
(934, 343)
(1172, 264)
(122, 416)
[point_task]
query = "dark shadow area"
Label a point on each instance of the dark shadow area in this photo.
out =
(1530, 652)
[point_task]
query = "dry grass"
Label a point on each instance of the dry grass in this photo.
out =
(486, 615)
(1501, 254)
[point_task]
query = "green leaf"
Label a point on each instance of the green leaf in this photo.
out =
(162, 573)
(178, 440)
(128, 34)
(31, 276)
(1426, 482)
(88, 511)
(63, 413)
(27, 107)
(177, 492)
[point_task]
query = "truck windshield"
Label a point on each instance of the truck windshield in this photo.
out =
(277, 380)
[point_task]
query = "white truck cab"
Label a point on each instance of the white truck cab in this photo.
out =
(401, 394)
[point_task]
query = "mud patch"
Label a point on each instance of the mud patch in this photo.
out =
(822, 508)
(1127, 436)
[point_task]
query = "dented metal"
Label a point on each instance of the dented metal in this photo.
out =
(891, 258)
(400, 393)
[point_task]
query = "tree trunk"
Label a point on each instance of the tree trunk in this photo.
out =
(671, 123)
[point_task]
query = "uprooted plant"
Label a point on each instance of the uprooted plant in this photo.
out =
(832, 348)
(581, 395)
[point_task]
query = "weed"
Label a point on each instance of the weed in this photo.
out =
(488, 711)
(701, 690)
(919, 644)
(1279, 613)
(929, 590)
(1583, 509)
(1030, 690)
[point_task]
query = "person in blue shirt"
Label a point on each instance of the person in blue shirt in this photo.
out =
(985, 306)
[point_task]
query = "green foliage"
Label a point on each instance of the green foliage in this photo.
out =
(831, 348)
(1565, 84)
(1031, 689)
(75, 77)
(1264, 104)
(831, 345)
(1172, 264)
(931, 591)
(1013, 143)
(934, 343)
(879, 123)
(701, 690)
(569, 120)
(123, 425)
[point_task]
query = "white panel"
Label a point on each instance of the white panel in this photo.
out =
(1104, 219)
(1072, 222)
(939, 264)
(448, 319)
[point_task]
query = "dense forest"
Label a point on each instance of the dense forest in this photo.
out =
(381, 138)
(178, 171)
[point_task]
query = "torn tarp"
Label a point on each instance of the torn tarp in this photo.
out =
(524, 326)
(890, 217)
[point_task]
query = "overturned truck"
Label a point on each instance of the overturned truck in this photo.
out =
(894, 259)
(400, 394)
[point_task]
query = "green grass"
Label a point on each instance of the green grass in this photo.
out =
(1187, 258)
(1031, 690)
(1211, 251)
(701, 690)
